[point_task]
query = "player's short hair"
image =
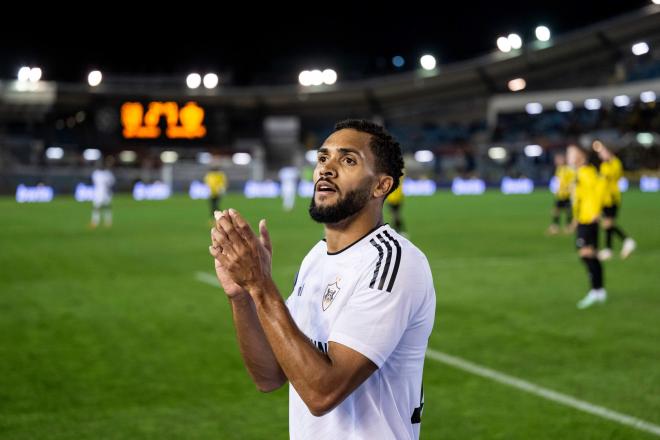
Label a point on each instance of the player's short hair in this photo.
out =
(589, 156)
(386, 149)
(579, 149)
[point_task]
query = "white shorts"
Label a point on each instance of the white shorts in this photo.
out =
(102, 202)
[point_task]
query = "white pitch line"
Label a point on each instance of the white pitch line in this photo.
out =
(511, 260)
(207, 278)
(546, 393)
(511, 381)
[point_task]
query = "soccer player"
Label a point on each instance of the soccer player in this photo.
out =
(395, 202)
(289, 184)
(565, 177)
(103, 181)
(216, 180)
(611, 170)
(351, 337)
(587, 206)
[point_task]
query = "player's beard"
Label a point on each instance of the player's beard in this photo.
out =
(344, 208)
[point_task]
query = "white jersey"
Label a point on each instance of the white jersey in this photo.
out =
(289, 176)
(103, 181)
(375, 297)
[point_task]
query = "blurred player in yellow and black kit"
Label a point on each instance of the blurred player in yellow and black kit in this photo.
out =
(395, 202)
(216, 180)
(587, 207)
(565, 178)
(611, 170)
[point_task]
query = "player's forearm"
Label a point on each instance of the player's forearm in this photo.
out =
(309, 370)
(254, 347)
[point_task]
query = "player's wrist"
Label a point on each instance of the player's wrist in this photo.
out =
(240, 298)
(260, 289)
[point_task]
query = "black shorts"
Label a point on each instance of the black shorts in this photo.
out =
(566, 203)
(586, 235)
(610, 211)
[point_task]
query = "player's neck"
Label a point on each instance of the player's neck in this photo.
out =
(340, 235)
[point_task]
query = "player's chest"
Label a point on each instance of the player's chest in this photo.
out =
(321, 292)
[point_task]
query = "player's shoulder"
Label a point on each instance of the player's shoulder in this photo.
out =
(407, 246)
(385, 236)
(316, 252)
(587, 171)
(414, 259)
(395, 256)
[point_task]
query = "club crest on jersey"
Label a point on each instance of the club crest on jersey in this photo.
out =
(330, 294)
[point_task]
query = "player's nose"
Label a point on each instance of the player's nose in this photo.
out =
(328, 171)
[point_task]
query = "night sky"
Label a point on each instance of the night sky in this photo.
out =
(254, 45)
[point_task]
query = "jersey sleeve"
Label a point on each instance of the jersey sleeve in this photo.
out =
(289, 299)
(373, 321)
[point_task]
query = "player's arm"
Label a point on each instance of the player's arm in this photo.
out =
(322, 380)
(253, 345)
(259, 359)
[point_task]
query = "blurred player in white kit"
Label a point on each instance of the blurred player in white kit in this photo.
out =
(103, 181)
(289, 181)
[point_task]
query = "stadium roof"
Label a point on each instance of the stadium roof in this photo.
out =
(250, 47)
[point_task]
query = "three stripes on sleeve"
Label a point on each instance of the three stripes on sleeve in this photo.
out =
(386, 244)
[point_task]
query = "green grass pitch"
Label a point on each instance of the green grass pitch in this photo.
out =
(107, 334)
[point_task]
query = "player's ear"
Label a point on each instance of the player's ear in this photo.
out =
(383, 186)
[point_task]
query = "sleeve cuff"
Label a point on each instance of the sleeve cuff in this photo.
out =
(358, 346)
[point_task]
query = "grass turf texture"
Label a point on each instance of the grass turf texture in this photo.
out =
(107, 333)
